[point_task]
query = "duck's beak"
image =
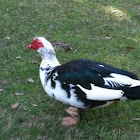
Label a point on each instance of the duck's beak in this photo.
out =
(29, 46)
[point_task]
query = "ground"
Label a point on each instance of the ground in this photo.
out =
(105, 31)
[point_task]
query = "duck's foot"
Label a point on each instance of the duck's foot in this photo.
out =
(68, 121)
(73, 112)
(74, 119)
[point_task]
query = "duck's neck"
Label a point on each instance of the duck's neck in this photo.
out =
(48, 58)
(46, 67)
(49, 63)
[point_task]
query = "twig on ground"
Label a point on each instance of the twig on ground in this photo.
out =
(78, 48)
(60, 44)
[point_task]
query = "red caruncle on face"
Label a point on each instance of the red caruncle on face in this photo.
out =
(35, 44)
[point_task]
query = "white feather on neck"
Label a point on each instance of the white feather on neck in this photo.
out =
(48, 57)
(49, 62)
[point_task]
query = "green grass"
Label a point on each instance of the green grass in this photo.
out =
(72, 22)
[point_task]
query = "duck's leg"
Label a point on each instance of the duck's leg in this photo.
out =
(81, 112)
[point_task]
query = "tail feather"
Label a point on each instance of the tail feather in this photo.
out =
(132, 93)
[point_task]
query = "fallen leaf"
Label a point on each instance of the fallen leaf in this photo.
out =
(108, 37)
(136, 119)
(30, 80)
(8, 37)
(68, 121)
(65, 59)
(19, 94)
(35, 105)
(129, 48)
(1, 90)
(5, 82)
(72, 111)
(18, 57)
(124, 129)
(138, 7)
(60, 44)
(68, 49)
(14, 106)
(114, 11)
(121, 14)
(33, 61)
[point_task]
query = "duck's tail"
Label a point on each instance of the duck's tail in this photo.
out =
(132, 93)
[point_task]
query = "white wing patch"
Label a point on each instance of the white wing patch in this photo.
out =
(101, 94)
(117, 80)
(125, 79)
(101, 65)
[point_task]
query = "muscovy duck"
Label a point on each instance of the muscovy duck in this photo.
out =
(83, 83)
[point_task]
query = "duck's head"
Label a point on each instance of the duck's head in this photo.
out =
(42, 46)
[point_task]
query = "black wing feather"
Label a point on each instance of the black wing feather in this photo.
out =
(79, 75)
(84, 72)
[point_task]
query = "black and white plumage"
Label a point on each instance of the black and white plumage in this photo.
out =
(83, 83)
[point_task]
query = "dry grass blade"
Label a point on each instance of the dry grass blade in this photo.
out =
(33, 61)
(19, 94)
(35, 105)
(136, 119)
(18, 57)
(108, 37)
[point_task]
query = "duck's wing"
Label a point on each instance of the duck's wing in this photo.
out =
(97, 81)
